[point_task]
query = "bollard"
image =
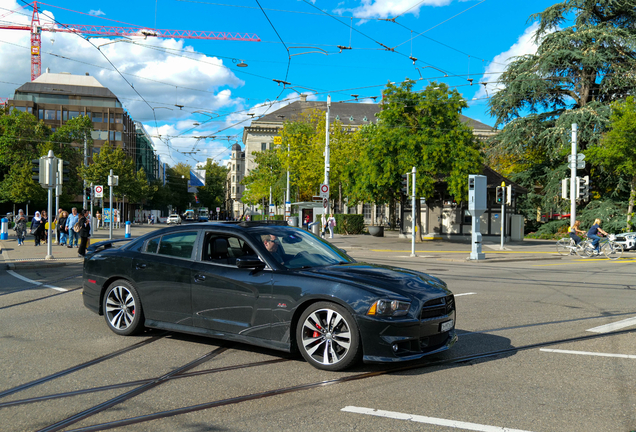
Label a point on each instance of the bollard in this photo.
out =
(4, 231)
(127, 235)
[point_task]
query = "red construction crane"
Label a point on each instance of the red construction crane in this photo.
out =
(36, 29)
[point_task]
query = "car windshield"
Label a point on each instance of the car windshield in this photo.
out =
(295, 248)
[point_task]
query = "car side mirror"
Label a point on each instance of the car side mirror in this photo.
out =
(344, 251)
(246, 262)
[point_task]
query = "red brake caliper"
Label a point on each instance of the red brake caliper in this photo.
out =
(317, 334)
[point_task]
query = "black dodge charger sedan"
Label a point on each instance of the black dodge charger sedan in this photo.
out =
(271, 285)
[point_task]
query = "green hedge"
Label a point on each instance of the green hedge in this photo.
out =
(260, 217)
(349, 224)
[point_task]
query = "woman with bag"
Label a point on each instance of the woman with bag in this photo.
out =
(37, 226)
(20, 227)
(84, 232)
(331, 222)
(61, 226)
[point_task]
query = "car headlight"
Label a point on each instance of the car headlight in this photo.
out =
(389, 308)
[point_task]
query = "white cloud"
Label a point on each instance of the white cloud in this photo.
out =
(175, 86)
(261, 109)
(390, 8)
(524, 45)
(97, 12)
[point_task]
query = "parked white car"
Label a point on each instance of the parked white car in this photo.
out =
(174, 219)
(628, 240)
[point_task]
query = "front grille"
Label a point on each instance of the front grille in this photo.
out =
(437, 307)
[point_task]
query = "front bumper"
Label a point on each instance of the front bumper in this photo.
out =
(413, 338)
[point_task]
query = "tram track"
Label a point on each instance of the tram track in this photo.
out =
(78, 367)
(286, 390)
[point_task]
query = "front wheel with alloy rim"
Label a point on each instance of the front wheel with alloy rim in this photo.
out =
(327, 337)
(122, 309)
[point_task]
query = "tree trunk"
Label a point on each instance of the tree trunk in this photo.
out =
(417, 211)
(630, 207)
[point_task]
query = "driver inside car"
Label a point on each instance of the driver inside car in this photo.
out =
(272, 244)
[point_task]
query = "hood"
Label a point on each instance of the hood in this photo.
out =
(405, 282)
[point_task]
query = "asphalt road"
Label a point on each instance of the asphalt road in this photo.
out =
(526, 360)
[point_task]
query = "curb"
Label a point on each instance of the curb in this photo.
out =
(34, 265)
(498, 260)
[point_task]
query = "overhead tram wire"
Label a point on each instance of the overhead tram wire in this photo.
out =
(281, 40)
(386, 47)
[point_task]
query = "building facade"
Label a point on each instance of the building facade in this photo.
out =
(233, 187)
(56, 98)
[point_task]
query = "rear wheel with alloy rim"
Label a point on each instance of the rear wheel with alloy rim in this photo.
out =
(122, 308)
(563, 246)
(327, 337)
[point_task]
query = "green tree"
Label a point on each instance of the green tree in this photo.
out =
(212, 195)
(131, 184)
(415, 129)
(616, 153)
(268, 173)
(575, 74)
(177, 182)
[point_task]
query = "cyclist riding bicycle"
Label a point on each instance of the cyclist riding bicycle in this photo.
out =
(593, 234)
(574, 230)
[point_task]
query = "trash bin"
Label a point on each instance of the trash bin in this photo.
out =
(293, 221)
(315, 228)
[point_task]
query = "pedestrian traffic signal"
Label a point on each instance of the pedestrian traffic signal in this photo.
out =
(583, 188)
(405, 184)
(500, 194)
(87, 192)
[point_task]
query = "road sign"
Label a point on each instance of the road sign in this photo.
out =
(579, 157)
(325, 203)
(324, 190)
(580, 164)
(317, 198)
(99, 191)
(278, 140)
(218, 209)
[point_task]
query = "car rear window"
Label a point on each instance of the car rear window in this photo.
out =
(178, 244)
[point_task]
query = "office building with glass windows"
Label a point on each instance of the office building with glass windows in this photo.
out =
(56, 98)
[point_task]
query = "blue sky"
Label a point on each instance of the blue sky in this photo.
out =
(196, 90)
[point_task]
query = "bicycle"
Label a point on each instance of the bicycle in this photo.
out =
(608, 246)
(566, 246)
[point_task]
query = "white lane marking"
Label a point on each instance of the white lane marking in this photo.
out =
(628, 356)
(428, 420)
(457, 295)
(613, 326)
(36, 283)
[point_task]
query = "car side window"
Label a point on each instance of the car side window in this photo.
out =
(225, 249)
(178, 245)
(152, 245)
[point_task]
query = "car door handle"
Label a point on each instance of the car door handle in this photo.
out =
(140, 266)
(199, 278)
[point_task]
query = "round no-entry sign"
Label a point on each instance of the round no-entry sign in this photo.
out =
(324, 188)
(99, 191)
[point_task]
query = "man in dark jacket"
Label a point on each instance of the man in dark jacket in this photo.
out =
(84, 233)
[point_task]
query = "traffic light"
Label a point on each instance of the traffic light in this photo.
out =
(405, 184)
(509, 195)
(39, 170)
(583, 188)
(62, 171)
(500, 194)
(88, 194)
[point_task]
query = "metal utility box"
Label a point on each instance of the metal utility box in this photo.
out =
(477, 193)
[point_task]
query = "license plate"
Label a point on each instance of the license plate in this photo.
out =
(446, 326)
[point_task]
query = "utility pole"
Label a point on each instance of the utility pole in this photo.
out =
(287, 198)
(85, 165)
(573, 164)
(503, 215)
(327, 151)
(413, 215)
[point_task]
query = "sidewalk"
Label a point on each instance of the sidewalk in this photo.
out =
(31, 256)
(456, 250)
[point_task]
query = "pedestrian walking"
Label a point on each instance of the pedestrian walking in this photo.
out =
(44, 233)
(323, 225)
(593, 234)
(36, 227)
(99, 219)
(61, 227)
(20, 227)
(331, 223)
(73, 237)
(56, 222)
(84, 233)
